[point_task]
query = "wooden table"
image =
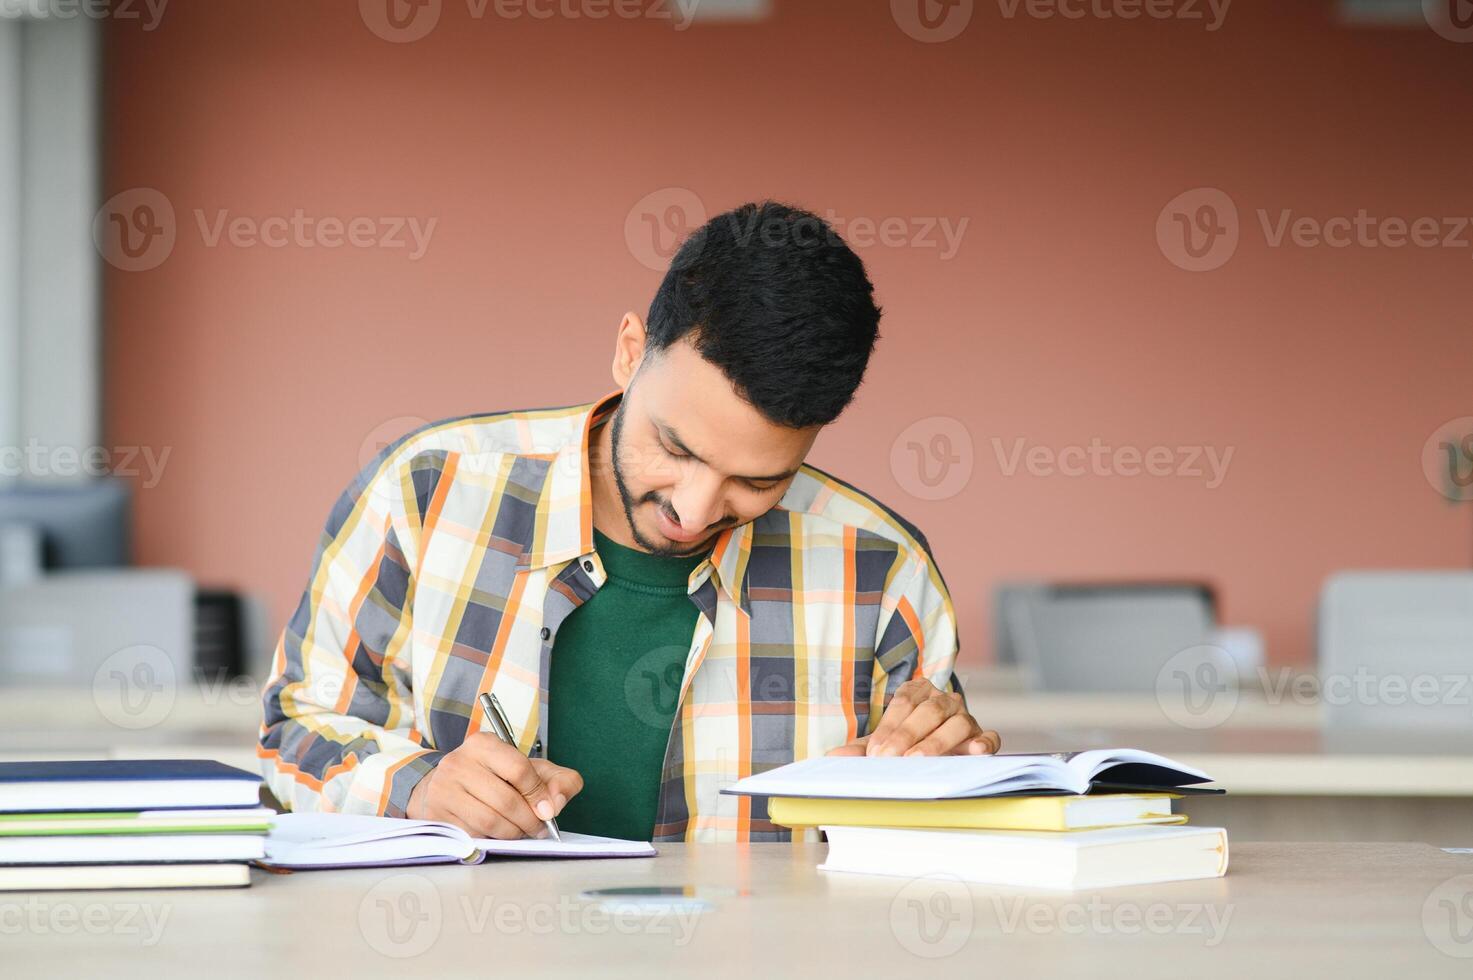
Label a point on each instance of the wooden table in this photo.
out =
(1297, 911)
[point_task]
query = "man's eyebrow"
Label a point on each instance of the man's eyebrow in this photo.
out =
(673, 436)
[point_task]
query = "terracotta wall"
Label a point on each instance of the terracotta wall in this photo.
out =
(1055, 315)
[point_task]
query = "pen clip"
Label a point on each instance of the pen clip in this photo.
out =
(497, 717)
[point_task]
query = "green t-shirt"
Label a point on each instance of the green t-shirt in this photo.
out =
(617, 664)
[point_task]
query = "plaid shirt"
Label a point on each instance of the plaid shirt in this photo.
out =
(449, 563)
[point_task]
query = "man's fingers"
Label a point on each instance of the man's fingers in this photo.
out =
(856, 747)
(480, 821)
(515, 769)
(987, 743)
(562, 783)
(502, 798)
(928, 716)
(902, 703)
(952, 733)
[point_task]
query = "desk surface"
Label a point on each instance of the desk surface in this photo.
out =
(1344, 910)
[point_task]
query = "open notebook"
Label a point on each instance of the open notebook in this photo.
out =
(338, 840)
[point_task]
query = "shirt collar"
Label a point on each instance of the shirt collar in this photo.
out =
(568, 531)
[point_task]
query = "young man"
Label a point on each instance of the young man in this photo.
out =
(662, 595)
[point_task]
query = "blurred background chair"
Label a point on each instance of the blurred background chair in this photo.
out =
(70, 597)
(1396, 652)
(1099, 637)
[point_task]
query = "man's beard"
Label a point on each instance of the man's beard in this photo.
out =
(627, 499)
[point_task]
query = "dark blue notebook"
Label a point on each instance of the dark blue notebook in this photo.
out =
(124, 784)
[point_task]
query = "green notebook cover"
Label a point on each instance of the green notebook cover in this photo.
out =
(138, 822)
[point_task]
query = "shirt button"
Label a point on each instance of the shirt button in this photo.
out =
(588, 566)
(546, 632)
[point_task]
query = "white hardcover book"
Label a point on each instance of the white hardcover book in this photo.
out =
(132, 849)
(87, 877)
(1033, 859)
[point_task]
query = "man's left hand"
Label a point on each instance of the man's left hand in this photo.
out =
(921, 719)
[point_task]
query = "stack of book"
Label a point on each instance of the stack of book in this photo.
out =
(1068, 821)
(128, 824)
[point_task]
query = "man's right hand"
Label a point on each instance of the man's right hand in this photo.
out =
(491, 790)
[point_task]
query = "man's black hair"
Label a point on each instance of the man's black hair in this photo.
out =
(772, 296)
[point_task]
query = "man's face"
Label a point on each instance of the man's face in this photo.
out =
(692, 458)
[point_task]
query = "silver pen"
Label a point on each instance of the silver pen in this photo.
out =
(502, 727)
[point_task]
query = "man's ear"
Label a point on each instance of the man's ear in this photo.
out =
(628, 349)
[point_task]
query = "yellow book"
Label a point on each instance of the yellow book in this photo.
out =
(980, 813)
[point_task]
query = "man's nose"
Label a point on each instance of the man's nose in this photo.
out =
(697, 502)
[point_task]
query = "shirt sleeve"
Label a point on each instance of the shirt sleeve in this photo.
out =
(917, 634)
(338, 728)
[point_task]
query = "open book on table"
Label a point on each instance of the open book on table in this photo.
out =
(336, 840)
(964, 776)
